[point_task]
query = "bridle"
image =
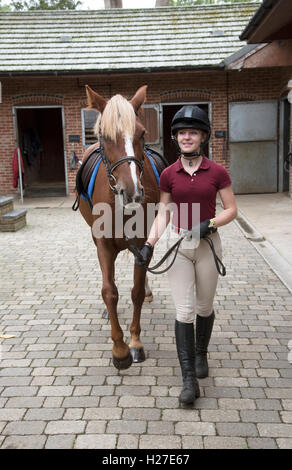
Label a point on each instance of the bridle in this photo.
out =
(111, 167)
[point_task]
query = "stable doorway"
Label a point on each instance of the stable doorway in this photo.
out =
(39, 133)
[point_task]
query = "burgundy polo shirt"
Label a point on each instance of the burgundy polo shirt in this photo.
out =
(201, 187)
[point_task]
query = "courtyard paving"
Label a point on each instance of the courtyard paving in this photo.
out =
(59, 389)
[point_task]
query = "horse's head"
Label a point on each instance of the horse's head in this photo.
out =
(121, 135)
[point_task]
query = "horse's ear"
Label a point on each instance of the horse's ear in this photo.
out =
(139, 98)
(95, 101)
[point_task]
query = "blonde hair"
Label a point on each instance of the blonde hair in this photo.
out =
(117, 118)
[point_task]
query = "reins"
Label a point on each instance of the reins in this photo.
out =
(152, 269)
(218, 263)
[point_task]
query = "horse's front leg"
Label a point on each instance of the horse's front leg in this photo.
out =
(138, 295)
(148, 292)
(122, 358)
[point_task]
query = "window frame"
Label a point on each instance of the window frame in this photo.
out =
(157, 109)
(83, 110)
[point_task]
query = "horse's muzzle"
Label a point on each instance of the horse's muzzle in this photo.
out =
(132, 201)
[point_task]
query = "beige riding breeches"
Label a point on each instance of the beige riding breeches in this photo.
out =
(193, 278)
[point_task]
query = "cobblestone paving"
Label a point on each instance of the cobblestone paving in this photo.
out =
(59, 389)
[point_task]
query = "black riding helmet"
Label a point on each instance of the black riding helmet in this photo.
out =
(191, 117)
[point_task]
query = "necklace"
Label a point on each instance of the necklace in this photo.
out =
(190, 161)
(195, 155)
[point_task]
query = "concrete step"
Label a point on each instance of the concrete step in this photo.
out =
(13, 220)
(6, 204)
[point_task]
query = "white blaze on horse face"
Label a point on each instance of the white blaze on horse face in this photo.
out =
(130, 153)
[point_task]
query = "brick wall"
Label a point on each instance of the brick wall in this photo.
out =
(217, 87)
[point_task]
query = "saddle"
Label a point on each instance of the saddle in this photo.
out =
(86, 174)
(160, 161)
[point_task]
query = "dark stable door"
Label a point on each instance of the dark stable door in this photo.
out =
(41, 141)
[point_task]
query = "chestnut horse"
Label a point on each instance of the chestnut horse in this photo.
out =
(125, 179)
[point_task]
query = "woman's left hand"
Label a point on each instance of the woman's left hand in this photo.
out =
(204, 228)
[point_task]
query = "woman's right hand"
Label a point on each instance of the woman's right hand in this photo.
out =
(142, 259)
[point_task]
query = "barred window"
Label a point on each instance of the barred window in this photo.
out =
(89, 117)
(150, 119)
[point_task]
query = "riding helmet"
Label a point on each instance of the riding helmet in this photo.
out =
(191, 117)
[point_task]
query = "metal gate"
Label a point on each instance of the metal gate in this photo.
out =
(253, 146)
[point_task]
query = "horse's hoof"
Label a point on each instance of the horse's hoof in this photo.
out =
(105, 314)
(138, 354)
(123, 363)
(148, 298)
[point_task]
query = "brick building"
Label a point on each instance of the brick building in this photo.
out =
(183, 54)
(271, 28)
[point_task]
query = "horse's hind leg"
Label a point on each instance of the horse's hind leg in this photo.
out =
(138, 294)
(122, 358)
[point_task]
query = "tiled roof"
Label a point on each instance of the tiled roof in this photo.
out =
(120, 39)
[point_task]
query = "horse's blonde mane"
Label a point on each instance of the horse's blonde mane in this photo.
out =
(118, 118)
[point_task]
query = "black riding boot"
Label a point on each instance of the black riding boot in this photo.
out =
(204, 327)
(185, 344)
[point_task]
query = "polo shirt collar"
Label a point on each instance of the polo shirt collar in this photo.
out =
(205, 164)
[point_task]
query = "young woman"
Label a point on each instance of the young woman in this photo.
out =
(193, 178)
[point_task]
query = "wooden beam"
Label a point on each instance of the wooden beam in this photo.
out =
(113, 4)
(161, 3)
(275, 25)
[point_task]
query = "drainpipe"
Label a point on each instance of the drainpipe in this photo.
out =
(113, 4)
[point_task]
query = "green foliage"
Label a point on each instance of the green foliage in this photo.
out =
(3, 7)
(45, 4)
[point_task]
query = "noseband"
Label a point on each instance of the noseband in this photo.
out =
(110, 168)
